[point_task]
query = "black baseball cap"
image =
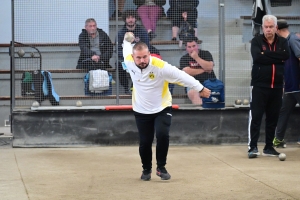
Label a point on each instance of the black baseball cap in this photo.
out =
(282, 23)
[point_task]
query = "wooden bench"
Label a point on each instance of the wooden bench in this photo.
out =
(278, 17)
(76, 97)
(60, 71)
(68, 71)
(83, 97)
(162, 42)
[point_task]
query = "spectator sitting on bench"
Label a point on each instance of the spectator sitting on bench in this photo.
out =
(96, 48)
(130, 18)
(180, 11)
(150, 11)
(197, 63)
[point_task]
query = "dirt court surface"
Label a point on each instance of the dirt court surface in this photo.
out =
(198, 172)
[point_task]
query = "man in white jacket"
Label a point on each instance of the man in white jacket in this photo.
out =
(152, 101)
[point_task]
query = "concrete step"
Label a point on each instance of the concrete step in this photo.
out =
(237, 82)
(216, 31)
(235, 55)
(237, 73)
(213, 22)
(233, 65)
(67, 57)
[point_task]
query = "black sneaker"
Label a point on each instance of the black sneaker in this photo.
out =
(279, 143)
(114, 15)
(270, 151)
(146, 175)
(253, 152)
(151, 35)
(127, 91)
(162, 173)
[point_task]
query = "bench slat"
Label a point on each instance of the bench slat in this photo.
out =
(76, 44)
(61, 71)
(83, 97)
(278, 17)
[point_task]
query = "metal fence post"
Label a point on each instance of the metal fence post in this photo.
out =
(222, 40)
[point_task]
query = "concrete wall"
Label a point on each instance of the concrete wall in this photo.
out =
(98, 127)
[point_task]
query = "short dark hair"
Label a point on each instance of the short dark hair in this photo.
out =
(282, 23)
(191, 39)
(128, 13)
(140, 46)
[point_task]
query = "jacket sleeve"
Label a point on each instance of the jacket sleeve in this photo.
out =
(177, 76)
(120, 43)
(280, 55)
(188, 5)
(195, 3)
(138, 2)
(106, 47)
(268, 57)
(127, 49)
(160, 2)
(173, 3)
(295, 44)
(84, 46)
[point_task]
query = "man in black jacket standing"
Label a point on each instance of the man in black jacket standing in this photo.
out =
(96, 47)
(269, 52)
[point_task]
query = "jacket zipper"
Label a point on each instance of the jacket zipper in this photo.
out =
(273, 65)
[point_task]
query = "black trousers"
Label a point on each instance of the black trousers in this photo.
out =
(92, 65)
(268, 101)
(289, 102)
(147, 125)
(123, 77)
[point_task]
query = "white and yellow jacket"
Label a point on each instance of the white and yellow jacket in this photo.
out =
(150, 85)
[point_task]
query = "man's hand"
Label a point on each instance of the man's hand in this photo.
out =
(187, 70)
(95, 58)
(205, 93)
(194, 55)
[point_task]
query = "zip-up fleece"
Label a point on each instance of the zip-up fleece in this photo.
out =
(151, 85)
(268, 61)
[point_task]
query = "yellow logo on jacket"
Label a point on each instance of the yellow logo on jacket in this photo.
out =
(151, 76)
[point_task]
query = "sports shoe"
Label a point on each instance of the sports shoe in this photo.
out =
(127, 91)
(279, 143)
(298, 142)
(162, 173)
(253, 152)
(146, 175)
(270, 151)
(151, 35)
(114, 15)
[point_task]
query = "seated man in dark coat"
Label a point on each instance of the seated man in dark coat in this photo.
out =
(96, 47)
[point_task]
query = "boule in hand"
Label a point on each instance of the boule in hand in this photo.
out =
(129, 37)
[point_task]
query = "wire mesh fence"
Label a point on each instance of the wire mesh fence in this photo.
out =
(73, 39)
